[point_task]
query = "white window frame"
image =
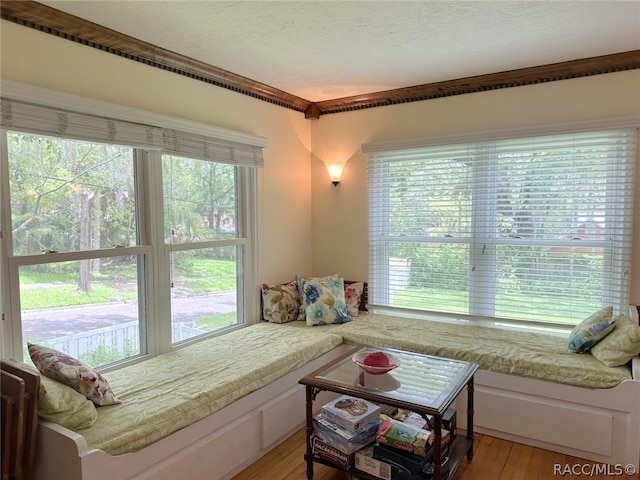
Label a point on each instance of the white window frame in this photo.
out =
(158, 328)
(379, 280)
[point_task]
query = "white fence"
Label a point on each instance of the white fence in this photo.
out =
(116, 337)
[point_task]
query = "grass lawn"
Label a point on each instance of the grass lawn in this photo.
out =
(217, 321)
(60, 288)
(507, 305)
(66, 295)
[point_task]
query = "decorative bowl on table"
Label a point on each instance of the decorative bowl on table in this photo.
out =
(375, 363)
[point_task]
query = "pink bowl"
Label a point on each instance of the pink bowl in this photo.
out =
(376, 363)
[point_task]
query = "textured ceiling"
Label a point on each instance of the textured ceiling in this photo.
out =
(320, 50)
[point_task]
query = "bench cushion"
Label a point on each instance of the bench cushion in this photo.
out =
(176, 389)
(526, 354)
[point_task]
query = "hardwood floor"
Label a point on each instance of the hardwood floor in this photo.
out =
(494, 459)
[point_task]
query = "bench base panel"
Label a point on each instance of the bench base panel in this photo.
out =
(599, 425)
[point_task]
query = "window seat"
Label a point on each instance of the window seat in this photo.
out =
(224, 402)
(528, 389)
(526, 354)
(174, 390)
(207, 410)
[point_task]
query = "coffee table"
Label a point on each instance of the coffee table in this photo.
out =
(423, 384)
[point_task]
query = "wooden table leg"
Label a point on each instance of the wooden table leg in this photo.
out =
(437, 447)
(308, 456)
(470, 435)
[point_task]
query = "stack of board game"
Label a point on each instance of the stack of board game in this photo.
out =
(404, 447)
(344, 426)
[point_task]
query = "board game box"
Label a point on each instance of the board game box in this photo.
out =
(332, 455)
(407, 437)
(351, 413)
(347, 441)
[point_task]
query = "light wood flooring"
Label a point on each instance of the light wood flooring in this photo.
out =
(494, 459)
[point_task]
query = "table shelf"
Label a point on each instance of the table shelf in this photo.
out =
(460, 445)
(340, 377)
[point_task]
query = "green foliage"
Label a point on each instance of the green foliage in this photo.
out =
(199, 201)
(105, 355)
(97, 357)
(62, 188)
(524, 203)
(439, 265)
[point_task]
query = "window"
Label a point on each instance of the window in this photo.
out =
(71, 204)
(122, 240)
(535, 229)
(205, 251)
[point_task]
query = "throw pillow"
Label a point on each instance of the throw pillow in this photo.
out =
(302, 316)
(621, 345)
(324, 301)
(353, 297)
(280, 303)
(591, 330)
(61, 404)
(72, 372)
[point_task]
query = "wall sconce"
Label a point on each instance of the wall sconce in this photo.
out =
(335, 172)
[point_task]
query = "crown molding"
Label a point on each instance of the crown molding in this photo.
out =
(513, 78)
(55, 22)
(49, 20)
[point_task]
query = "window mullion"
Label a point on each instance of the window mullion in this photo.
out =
(157, 275)
(379, 228)
(482, 256)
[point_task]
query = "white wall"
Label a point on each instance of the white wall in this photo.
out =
(340, 214)
(42, 60)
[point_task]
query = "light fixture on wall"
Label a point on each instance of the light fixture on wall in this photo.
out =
(335, 172)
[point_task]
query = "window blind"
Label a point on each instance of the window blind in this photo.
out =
(40, 120)
(202, 147)
(535, 229)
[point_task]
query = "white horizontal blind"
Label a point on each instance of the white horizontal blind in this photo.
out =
(24, 117)
(202, 147)
(420, 224)
(535, 229)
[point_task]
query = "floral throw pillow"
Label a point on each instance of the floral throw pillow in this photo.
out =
(323, 301)
(591, 330)
(280, 303)
(71, 371)
(353, 297)
(302, 314)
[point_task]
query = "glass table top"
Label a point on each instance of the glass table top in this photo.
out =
(422, 380)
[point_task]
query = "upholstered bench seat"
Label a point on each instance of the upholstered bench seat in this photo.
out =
(173, 390)
(513, 352)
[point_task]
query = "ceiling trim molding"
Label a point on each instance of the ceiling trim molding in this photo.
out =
(513, 78)
(55, 22)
